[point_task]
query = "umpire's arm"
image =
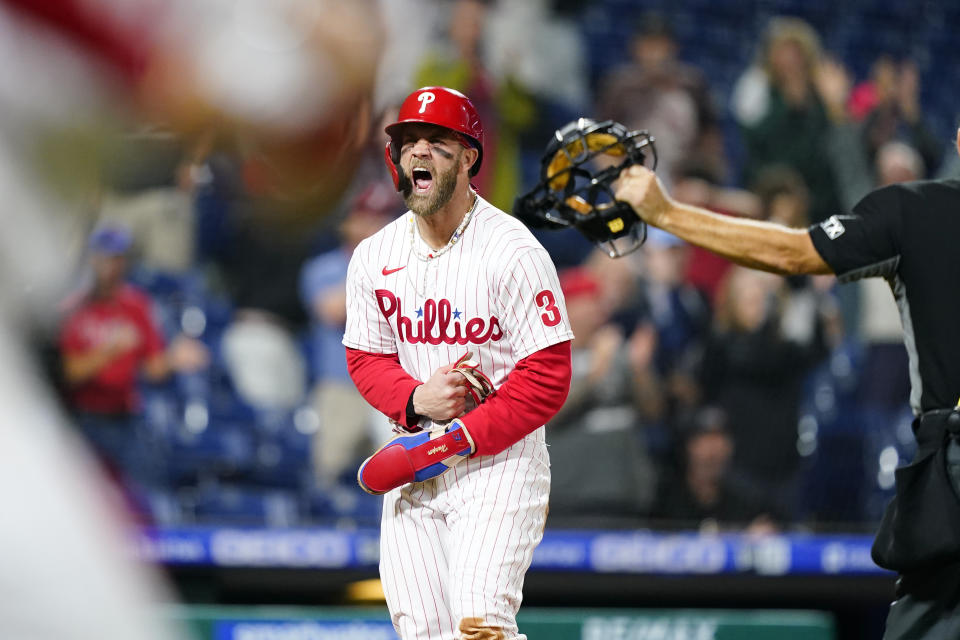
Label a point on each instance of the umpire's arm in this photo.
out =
(760, 245)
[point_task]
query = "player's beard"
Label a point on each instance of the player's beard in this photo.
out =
(425, 205)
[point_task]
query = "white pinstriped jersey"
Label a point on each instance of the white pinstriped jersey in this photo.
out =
(454, 549)
(495, 293)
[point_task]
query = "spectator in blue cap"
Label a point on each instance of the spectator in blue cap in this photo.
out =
(108, 339)
(111, 240)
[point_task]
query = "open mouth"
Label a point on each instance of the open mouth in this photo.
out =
(422, 180)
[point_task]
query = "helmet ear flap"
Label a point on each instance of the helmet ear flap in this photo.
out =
(392, 158)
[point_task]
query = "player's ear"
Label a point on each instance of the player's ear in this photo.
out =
(468, 157)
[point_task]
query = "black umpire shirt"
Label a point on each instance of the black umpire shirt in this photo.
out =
(909, 234)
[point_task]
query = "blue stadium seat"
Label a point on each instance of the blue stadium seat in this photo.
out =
(343, 505)
(217, 450)
(161, 410)
(887, 443)
(164, 507)
(283, 453)
(234, 504)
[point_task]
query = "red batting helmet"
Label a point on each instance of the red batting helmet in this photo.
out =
(443, 107)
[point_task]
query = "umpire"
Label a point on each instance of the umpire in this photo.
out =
(907, 234)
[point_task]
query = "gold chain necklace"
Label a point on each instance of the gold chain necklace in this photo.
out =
(457, 234)
(433, 255)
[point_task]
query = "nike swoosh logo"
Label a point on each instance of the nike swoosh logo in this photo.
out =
(387, 272)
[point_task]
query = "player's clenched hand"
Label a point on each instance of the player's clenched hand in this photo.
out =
(442, 397)
(642, 189)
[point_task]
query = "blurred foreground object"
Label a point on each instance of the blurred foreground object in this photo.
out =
(288, 83)
(69, 572)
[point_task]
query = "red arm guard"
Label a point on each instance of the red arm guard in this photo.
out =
(534, 391)
(382, 382)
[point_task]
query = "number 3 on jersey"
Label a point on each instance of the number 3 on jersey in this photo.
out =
(546, 301)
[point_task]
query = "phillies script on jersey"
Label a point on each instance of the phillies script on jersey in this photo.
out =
(438, 322)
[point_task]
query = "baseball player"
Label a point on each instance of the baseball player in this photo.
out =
(465, 492)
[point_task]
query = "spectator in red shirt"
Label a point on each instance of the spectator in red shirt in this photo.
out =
(109, 337)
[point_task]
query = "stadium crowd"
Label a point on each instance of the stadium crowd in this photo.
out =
(200, 351)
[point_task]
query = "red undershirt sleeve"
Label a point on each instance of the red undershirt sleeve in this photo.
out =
(382, 382)
(533, 392)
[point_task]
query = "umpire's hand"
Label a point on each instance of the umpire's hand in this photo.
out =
(642, 189)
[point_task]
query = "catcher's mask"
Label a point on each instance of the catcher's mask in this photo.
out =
(577, 170)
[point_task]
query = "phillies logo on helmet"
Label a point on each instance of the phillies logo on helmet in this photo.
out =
(425, 98)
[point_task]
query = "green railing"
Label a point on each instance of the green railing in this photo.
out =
(372, 623)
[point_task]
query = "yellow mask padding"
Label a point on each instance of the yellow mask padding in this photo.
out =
(581, 206)
(605, 142)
